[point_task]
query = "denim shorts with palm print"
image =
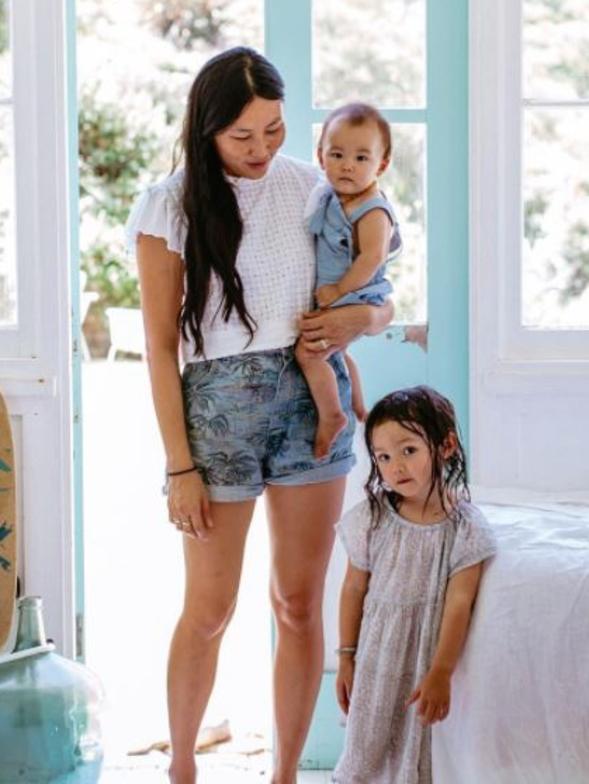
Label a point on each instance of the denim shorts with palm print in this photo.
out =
(251, 421)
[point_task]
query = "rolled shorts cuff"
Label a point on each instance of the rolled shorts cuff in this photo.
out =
(228, 493)
(312, 476)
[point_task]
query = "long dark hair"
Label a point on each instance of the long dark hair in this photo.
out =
(431, 416)
(220, 92)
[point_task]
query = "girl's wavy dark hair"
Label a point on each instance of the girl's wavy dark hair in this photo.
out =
(220, 92)
(431, 416)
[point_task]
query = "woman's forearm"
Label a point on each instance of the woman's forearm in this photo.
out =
(169, 408)
(340, 326)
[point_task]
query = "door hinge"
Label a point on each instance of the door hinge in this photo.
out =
(79, 636)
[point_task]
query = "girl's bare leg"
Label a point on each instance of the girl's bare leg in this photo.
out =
(301, 523)
(213, 569)
(322, 382)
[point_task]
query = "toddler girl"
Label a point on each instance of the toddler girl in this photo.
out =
(355, 232)
(415, 548)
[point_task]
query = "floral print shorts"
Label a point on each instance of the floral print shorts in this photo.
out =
(251, 421)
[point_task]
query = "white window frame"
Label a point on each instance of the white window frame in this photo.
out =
(36, 355)
(500, 345)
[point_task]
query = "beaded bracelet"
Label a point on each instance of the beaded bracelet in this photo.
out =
(345, 649)
(185, 471)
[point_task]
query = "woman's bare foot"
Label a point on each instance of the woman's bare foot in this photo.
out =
(279, 779)
(328, 430)
(184, 773)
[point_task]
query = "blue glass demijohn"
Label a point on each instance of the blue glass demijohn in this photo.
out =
(49, 710)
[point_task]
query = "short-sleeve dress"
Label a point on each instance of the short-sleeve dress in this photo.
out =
(410, 565)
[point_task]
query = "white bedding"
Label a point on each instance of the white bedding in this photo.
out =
(520, 699)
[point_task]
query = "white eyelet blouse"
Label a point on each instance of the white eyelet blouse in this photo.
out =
(276, 259)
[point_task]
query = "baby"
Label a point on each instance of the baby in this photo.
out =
(355, 232)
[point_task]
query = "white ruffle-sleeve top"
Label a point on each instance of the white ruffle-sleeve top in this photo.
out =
(276, 258)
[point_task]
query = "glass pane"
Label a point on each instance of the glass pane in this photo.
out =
(556, 49)
(373, 52)
(404, 185)
(555, 270)
(7, 232)
(5, 53)
(200, 25)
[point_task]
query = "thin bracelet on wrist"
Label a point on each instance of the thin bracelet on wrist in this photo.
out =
(185, 471)
(346, 650)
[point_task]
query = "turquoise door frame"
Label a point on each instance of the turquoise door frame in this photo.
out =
(76, 327)
(387, 361)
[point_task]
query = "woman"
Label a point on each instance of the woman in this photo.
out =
(227, 269)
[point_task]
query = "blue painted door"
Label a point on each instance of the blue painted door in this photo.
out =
(429, 344)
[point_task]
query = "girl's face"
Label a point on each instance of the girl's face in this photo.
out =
(352, 155)
(403, 459)
(247, 146)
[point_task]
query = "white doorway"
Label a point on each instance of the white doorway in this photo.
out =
(134, 578)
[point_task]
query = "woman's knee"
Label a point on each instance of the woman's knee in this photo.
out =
(297, 612)
(207, 619)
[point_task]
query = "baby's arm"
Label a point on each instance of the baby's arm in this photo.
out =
(374, 235)
(352, 595)
(433, 692)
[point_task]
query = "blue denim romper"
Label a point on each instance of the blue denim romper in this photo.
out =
(334, 246)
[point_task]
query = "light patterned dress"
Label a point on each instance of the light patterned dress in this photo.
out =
(410, 565)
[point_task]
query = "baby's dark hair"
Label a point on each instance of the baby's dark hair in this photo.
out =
(431, 416)
(357, 114)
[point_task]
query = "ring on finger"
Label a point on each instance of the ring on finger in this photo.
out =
(324, 344)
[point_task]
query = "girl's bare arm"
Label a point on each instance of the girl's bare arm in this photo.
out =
(460, 596)
(352, 595)
(433, 692)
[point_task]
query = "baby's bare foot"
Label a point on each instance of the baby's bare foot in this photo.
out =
(328, 430)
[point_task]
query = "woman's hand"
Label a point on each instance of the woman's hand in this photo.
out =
(433, 694)
(344, 682)
(326, 331)
(188, 505)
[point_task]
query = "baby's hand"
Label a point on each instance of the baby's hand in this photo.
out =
(433, 694)
(326, 295)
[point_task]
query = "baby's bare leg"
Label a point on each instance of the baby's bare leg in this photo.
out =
(322, 383)
(357, 397)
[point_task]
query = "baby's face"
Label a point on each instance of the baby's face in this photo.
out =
(352, 156)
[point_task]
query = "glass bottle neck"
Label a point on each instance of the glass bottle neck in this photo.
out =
(31, 629)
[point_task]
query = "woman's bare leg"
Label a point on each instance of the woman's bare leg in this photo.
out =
(213, 569)
(301, 536)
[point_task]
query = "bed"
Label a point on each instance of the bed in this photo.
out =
(520, 702)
